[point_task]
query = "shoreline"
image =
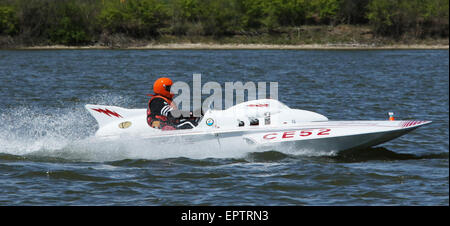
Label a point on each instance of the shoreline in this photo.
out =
(209, 46)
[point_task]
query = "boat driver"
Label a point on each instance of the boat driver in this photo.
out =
(162, 112)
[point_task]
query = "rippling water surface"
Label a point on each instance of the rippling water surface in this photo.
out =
(48, 155)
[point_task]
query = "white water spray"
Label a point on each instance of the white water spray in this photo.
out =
(68, 133)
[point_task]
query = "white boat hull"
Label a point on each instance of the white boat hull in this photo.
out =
(339, 143)
(285, 128)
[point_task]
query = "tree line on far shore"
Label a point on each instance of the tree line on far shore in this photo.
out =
(80, 22)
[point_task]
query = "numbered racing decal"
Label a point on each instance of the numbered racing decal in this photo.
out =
(296, 133)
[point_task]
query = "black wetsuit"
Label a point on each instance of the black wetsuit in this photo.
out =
(169, 116)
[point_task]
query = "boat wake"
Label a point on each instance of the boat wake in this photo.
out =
(25, 130)
(69, 134)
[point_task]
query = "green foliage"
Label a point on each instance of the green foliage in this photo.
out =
(353, 11)
(70, 28)
(285, 13)
(382, 15)
(185, 17)
(59, 22)
(8, 21)
(253, 13)
(325, 11)
(77, 22)
(187, 10)
(223, 17)
(137, 18)
(394, 18)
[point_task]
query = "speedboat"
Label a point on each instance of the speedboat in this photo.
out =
(263, 124)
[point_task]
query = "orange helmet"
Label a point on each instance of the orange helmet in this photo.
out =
(162, 87)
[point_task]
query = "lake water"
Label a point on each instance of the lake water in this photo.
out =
(48, 155)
